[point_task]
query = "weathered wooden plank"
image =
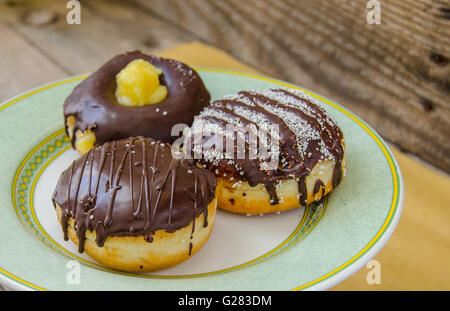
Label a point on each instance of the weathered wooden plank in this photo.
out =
(22, 65)
(395, 75)
(107, 28)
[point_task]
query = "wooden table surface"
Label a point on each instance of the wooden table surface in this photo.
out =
(396, 76)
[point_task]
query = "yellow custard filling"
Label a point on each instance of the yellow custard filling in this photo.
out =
(138, 84)
(85, 141)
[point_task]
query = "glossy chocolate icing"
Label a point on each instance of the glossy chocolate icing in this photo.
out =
(307, 135)
(94, 105)
(132, 187)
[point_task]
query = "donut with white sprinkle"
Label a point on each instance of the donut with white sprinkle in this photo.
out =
(303, 143)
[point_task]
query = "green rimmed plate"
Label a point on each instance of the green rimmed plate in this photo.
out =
(307, 248)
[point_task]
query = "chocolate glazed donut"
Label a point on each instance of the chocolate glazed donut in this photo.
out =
(94, 106)
(133, 207)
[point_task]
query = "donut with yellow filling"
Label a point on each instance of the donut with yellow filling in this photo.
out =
(133, 94)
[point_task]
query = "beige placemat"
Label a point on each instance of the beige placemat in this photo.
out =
(417, 256)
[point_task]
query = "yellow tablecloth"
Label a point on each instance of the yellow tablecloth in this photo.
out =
(417, 256)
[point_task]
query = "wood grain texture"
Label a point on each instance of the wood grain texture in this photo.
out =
(29, 69)
(395, 75)
(107, 28)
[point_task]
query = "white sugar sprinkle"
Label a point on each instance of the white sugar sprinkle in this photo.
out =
(292, 108)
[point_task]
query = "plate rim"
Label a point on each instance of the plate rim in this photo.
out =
(322, 283)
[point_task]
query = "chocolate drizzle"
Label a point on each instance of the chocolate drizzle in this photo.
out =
(317, 186)
(337, 174)
(307, 135)
(129, 199)
(270, 187)
(95, 107)
(303, 194)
